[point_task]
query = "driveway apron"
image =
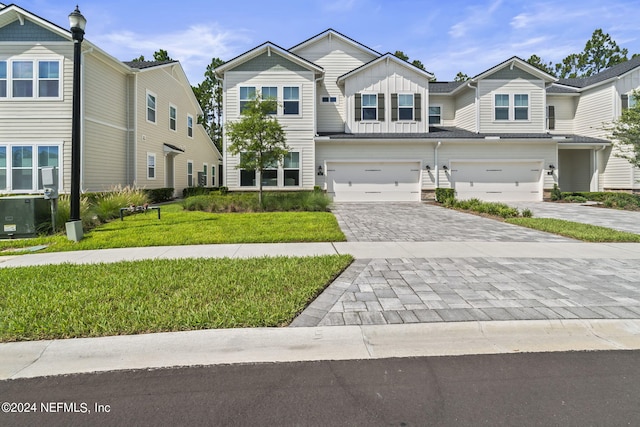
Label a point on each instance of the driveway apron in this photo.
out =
(419, 290)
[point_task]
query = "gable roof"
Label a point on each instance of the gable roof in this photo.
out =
(333, 33)
(13, 12)
(141, 65)
(268, 47)
(522, 64)
(612, 72)
(389, 57)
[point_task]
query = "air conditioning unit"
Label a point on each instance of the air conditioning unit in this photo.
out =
(23, 216)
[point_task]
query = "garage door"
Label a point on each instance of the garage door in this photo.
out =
(373, 181)
(498, 181)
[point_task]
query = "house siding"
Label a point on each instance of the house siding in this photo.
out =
(337, 57)
(466, 111)
(487, 88)
(565, 110)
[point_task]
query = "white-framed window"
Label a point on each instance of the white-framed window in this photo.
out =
(189, 125)
(189, 173)
(291, 169)
(631, 100)
(369, 106)
(435, 115)
(28, 78)
(205, 179)
(501, 106)
(20, 166)
(329, 99)
(291, 100)
(247, 93)
(213, 175)
(521, 106)
(247, 176)
(269, 175)
(3, 79)
(151, 166)
(405, 106)
(151, 107)
(48, 79)
(173, 117)
(271, 93)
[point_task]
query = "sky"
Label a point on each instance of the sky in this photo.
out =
(446, 36)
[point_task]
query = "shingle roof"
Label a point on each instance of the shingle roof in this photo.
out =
(555, 88)
(444, 87)
(444, 132)
(140, 65)
(615, 71)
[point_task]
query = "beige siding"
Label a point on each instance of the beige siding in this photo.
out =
(565, 109)
(386, 77)
(466, 111)
(299, 129)
(337, 57)
(595, 108)
(448, 108)
(537, 115)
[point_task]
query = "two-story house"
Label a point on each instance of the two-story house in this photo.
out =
(369, 126)
(138, 119)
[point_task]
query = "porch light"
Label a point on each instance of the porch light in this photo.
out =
(551, 168)
(320, 172)
(427, 167)
(444, 168)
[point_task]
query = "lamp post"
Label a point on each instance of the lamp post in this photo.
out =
(77, 23)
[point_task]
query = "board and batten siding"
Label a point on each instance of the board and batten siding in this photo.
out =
(337, 57)
(387, 77)
(299, 129)
(536, 123)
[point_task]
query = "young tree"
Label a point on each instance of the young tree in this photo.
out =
(626, 132)
(258, 138)
(601, 52)
(537, 62)
(161, 55)
(209, 95)
(461, 77)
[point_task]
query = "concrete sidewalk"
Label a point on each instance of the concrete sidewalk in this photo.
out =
(358, 250)
(263, 345)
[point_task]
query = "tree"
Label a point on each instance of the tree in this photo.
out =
(626, 132)
(209, 95)
(461, 77)
(161, 55)
(138, 59)
(416, 63)
(258, 138)
(570, 67)
(601, 52)
(537, 62)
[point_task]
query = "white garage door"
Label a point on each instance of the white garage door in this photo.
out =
(373, 181)
(498, 181)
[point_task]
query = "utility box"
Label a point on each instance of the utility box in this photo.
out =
(23, 216)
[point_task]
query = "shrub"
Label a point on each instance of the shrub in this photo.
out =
(575, 199)
(556, 194)
(248, 202)
(157, 195)
(526, 213)
(196, 191)
(442, 194)
(107, 205)
(224, 190)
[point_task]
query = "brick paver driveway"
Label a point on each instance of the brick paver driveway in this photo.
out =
(419, 222)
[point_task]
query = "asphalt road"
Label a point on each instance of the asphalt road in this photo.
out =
(564, 389)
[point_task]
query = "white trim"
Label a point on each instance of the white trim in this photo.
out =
(155, 165)
(511, 108)
(146, 106)
(362, 107)
(35, 78)
(175, 119)
(190, 162)
(34, 165)
(429, 114)
(189, 116)
(413, 107)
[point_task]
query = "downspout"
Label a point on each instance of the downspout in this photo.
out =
(315, 127)
(435, 156)
(135, 128)
(223, 181)
(477, 104)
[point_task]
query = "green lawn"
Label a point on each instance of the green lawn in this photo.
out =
(576, 230)
(66, 301)
(180, 227)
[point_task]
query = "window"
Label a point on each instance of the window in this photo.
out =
(173, 114)
(501, 107)
(435, 115)
(331, 99)
(405, 107)
(369, 107)
(521, 107)
(270, 93)
(291, 100)
(47, 156)
(22, 168)
(151, 107)
(270, 175)
(151, 166)
(213, 175)
(292, 169)
(189, 173)
(189, 126)
(3, 80)
(247, 177)
(22, 73)
(204, 175)
(551, 117)
(48, 79)
(3, 168)
(247, 93)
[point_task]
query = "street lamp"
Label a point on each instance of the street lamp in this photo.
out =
(77, 22)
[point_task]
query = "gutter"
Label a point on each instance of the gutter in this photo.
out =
(477, 102)
(435, 155)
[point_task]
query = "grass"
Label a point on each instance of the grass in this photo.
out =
(576, 230)
(179, 227)
(68, 301)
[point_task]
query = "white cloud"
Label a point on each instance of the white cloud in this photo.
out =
(194, 47)
(478, 16)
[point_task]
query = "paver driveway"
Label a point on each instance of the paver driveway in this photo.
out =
(419, 222)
